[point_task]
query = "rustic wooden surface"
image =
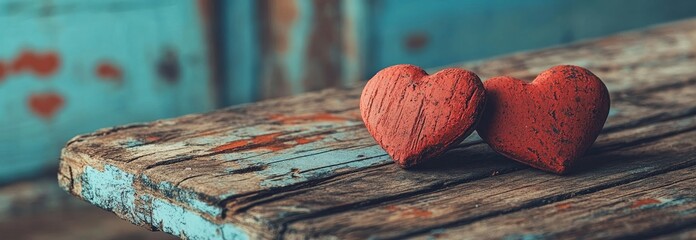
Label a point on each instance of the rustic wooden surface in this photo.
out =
(305, 167)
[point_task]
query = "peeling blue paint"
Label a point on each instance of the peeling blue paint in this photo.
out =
(131, 143)
(524, 237)
(667, 202)
(184, 196)
(322, 164)
(188, 225)
(613, 112)
(112, 189)
(435, 233)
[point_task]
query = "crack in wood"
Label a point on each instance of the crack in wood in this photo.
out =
(545, 201)
(540, 202)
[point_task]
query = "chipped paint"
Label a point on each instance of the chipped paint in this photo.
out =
(644, 202)
(131, 143)
(189, 198)
(269, 142)
(659, 202)
(109, 71)
(113, 190)
(310, 118)
(526, 236)
(563, 206)
(314, 163)
(437, 233)
(45, 54)
(188, 225)
(45, 105)
(260, 140)
(152, 138)
(40, 64)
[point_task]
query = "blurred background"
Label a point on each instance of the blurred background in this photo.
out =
(72, 66)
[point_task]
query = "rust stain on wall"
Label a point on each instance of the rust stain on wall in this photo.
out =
(168, 67)
(275, 17)
(350, 48)
(109, 71)
(282, 15)
(40, 64)
(211, 25)
(323, 67)
(3, 71)
(416, 41)
(45, 105)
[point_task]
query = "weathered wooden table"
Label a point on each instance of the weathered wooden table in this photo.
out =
(305, 167)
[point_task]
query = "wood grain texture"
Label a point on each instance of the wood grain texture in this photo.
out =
(470, 202)
(645, 208)
(306, 167)
(548, 123)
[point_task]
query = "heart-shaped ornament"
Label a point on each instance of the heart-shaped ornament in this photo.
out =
(415, 116)
(548, 123)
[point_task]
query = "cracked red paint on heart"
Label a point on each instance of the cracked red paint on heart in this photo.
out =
(415, 116)
(549, 123)
(45, 105)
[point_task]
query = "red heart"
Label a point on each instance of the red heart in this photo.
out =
(414, 116)
(45, 105)
(548, 123)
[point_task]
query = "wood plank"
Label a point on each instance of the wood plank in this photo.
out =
(255, 170)
(436, 179)
(645, 208)
(501, 194)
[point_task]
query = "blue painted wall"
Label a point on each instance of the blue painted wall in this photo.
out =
(267, 42)
(436, 33)
(71, 67)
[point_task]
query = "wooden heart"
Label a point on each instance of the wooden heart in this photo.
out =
(548, 123)
(414, 116)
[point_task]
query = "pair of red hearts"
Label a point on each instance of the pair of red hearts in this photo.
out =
(547, 124)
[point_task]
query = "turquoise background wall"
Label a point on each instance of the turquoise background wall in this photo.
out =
(73, 66)
(277, 48)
